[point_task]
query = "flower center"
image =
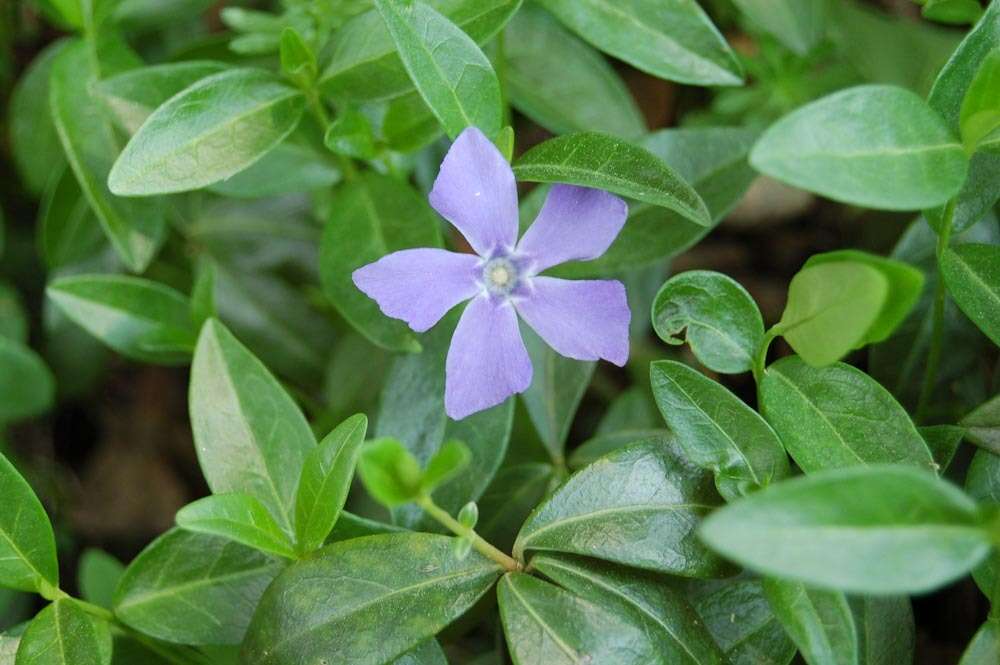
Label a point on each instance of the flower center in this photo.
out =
(500, 276)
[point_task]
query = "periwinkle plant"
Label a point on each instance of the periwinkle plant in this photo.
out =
(397, 468)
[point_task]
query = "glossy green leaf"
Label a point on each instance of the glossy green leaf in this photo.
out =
(982, 424)
(638, 506)
(249, 434)
(98, 577)
(238, 517)
(64, 634)
(831, 308)
(26, 384)
(329, 606)
(374, 216)
(984, 649)
(193, 588)
(139, 318)
(555, 392)
(600, 445)
(717, 431)
(886, 633)
(69, 230)
(546, 624)
(658, 604)
(326, 479)
(135, 228)
(980, 112)
(509, 499)
(27, 545)
(673, 40)
(819, 622)
(450, 72)
(289, 168)
(876, 146)
(972, 274)
(212, 130)
(390, 472)
(34, 142)
(838, 416)
(798, 24)
(365, 64)
(881, 529)
(548, 71)
(133, 95)
(590, 159)
(719, 319)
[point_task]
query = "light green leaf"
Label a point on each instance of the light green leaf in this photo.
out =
(952, 11)
(310, 613)
(673, 39)
(604, 162)
(451, 459)
(64, 634)
(139, 318)
(717, 431)
(34, 142)
(390, 472)
(819, 622)
(982, 425)
(26, 384)
(27, 545)
(238, 517)
(972, 274)
(879, 529)
(98, 576)
(193, 588)
(638, 506)
(290, 168)
(875, 145)
(326, 479)
(980, 112)
(984, 649)
(720, 320)
(798, 24)
(838, 416)
(249, 434)
(212, 130)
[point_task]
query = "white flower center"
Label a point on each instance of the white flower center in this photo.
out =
(500, 276)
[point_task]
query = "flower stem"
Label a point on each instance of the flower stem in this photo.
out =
(453, 525)
(937, 323)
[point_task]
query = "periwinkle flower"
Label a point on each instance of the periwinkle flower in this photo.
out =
(487, 361)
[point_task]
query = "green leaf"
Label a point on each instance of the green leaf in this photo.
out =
(290, 168)
(298, 62)
(133, 95)
(27, 545)
(238, 517)
(449, 70)
(351, 526)
(819, 622)
(982, 483)
(34, 142)
(136, 229)
(408, 125)
(548, 71)
(943, 442)
(600, 445)
(880, 530)
(69, 231)
(982, 425)
(26, 384)
(450, 459)
(365, 65)
(798, 24)
(952, 11)
(310, 613)
(980, 111)
(656, 604)
(604, 162)
(717, 431)
(249, 434)
(831, 308)
(885, 629)
(427, 652)
(390, 472)
(905, 284)
(193, 588)
(555, 392)
(984, 649)
(139, 318)
(350, 134)
(13, 318)
(325, 482)
(546, 624)
(638, 506)
(972, 274)
(212, 130)
(202, 303)
(509, 499)
(64, 634)
(98, 576)
(673, 40)
(838, 416)
(373, 216)
(722, 323)
(876, 146)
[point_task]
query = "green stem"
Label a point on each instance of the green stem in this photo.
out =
(937, 322)
(760, 360)
(456, 527)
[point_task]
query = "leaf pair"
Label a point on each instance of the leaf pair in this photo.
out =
(393, 475)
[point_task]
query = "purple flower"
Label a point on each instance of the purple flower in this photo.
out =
(487, 361)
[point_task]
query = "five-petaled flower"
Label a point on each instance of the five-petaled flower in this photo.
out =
(487, 361)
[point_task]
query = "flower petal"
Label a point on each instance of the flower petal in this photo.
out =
(419, 286)
(487, 361)
(575, 224)
(581, 319)
(475, 191)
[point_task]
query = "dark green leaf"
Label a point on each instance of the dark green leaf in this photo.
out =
(390, 472)
(600, 445)
(982, 425)
(819, 622)
(942, 441)
(193, 588)
(509, 499)
(885, 629)
(69, 230)
(27, 545)
(330, 606)
(64, 634)
(238, 517)
(982, 482)
(26, 384)
(798, 24)
(603, 162)
(881, 529)
(13, 318)
(638, 506)
(408, 124)
(972, 274)
(350, 134)
(98, 576)
(350, 526)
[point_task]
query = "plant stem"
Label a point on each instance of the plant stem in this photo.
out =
(760, 360)
(937, 323)
(480, 545)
